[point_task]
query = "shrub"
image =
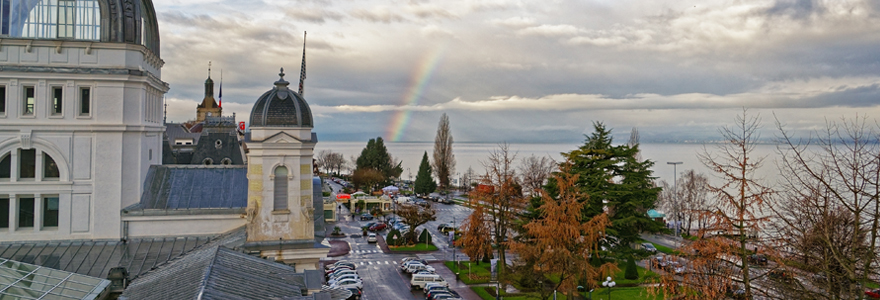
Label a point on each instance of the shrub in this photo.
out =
(632, 272)
(425, 236)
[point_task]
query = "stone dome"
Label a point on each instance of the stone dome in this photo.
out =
(281, 107)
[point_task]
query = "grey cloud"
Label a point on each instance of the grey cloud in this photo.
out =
(377, 15)
(312, 14)
(800, 9)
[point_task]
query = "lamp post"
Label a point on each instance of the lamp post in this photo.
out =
(609, 284)
(675, 189)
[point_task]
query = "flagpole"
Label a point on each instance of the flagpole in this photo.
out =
(302, 72)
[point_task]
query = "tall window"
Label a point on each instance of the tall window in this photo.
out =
(50, 168)
(280, 200)
(85, 99)
(49, 19)
(4, 212)
(6, 166)
(27, 163)
(2, 97)
(57, 95)
(50, 212)
(25, 212)
(28, 101)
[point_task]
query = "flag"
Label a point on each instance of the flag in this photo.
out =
(221, 89)
(302, 72)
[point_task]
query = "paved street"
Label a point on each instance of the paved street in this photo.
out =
(379, 270)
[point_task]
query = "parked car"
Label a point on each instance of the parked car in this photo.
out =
(340, 263)
(366, 216)
(780, 275)
(758, 259)
(377, 227)
(343, 277)
(355, 294)
(341, 272)
(873, 293)
(349, 283)
(371, 238)
(444, 228)
(649, 247)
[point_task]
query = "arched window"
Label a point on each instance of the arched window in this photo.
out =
(51, 19)
(50, 168)
(6, 166)
(226, 161)
(208, 161)
(280, 200)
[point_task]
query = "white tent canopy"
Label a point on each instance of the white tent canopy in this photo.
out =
(390, 188)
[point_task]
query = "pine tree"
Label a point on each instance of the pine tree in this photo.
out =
(375, 156)
(424, 183)
(617, 182)
(631, 272)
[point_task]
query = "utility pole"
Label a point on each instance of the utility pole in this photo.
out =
(675, 191)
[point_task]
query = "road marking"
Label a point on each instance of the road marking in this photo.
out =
(362, 263)
(370, 262)
(386, 262)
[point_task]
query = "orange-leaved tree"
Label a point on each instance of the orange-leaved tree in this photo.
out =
(559, 242)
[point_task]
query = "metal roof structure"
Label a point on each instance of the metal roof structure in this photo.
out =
(183, 187)
(20, 280)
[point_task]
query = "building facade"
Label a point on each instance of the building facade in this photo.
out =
(80, 115)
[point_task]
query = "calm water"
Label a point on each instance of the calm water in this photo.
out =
(473, 154)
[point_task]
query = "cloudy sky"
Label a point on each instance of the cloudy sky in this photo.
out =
(531, 71)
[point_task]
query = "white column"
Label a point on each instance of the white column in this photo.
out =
(38, 212)
(38, 163)
(13, 166)
(13, 211)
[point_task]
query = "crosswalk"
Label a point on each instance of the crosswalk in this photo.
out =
(458, 208)
(364, 251)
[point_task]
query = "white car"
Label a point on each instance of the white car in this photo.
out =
(372, 238)
(340, 273)
(343, 277)
(349, 283)
(337, 276)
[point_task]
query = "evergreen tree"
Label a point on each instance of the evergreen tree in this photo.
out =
(424, 183)
(375, 156)
(613, 178)
(631, 272)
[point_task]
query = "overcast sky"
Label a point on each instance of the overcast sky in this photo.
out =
(531, 71)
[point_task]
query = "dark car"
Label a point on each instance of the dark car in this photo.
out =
(445, 228)
(758, 259)
(780, 275)
(377, 227)
(366, 216)
(355, 294)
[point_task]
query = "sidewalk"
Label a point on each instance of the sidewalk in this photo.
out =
(457, 285)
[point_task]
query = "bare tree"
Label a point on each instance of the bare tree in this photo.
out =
(828, 217)
(414, 216)
(720, 261)
(502, 197)
(322, 160)
(336, 162)
(469, 177)
(444, 160)
(634, 140)
(694, 195)
(534, 172)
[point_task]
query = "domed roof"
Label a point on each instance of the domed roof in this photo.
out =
(121, 21)
(281, 107)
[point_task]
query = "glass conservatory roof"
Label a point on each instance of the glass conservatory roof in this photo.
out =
(20, 280)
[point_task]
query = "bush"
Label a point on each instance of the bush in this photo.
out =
(393, 237)
(425, 236)
(632, 272)
(595, 261)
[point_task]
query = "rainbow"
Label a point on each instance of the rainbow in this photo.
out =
(422, 75)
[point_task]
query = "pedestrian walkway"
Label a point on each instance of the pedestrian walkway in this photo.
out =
(456, 285)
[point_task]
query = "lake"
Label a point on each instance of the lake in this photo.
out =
(473, 154)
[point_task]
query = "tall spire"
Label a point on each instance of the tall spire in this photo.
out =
(209, 69)
(302, 72)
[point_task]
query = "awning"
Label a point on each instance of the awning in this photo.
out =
(390, 188)
(343, 196)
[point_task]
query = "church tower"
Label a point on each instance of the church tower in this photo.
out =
(280, 208)
(208, 107)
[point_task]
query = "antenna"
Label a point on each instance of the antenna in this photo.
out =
(302, 72)
(209, 69)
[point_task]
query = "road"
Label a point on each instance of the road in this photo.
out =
(379, 270)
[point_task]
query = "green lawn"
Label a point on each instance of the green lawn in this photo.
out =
(645, 276)
(417, 247)
(476, 273)
(630, 293)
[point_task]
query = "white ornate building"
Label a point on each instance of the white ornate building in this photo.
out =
(80, 115)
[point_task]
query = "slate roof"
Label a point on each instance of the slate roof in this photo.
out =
(218, 273)
(187, 187)
(217, 146)
(96, 258)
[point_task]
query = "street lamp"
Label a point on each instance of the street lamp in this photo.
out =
(609, 284)
(675, 189)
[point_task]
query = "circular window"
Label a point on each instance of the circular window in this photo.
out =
(218, 144)
(208, 161)
(226, 161)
